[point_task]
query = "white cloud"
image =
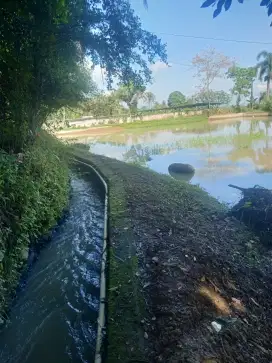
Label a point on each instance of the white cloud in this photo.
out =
(157, 66)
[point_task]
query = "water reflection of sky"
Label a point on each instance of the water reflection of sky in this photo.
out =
(244, 159)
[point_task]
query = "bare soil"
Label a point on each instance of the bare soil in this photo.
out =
(206, 280)
(92, 131)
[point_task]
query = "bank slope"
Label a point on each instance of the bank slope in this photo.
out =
(179, 269)
(34, 190)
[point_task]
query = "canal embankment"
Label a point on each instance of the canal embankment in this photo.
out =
(186, 282)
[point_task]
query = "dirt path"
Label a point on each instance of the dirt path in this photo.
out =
(199, 271)
(92, 131)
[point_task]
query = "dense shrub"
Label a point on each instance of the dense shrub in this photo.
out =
(33, 193)
(266, 104)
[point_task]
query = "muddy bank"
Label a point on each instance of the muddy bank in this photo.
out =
(186, 282)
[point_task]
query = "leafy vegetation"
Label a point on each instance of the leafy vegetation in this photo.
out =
(226, 5)
(43, 48)
(243, 81)
(34, 191)
(176, 99)
(210, 65)
(220, 97)
(265, 69)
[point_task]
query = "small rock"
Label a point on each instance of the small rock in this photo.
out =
(137, 274)
(155, 259)
(194, 259)
(154, 318)
(217, 327)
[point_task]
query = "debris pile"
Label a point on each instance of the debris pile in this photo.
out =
(255, 210)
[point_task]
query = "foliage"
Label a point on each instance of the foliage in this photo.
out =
(149, 98)
(42, 50)
(210, 65)
(243, 79)
(160, 105)
(227, 4)
(221, 97)
(33, 193)
(130, 94)
(176, 99)
(265, 69)
(103, 105)
(266, 104)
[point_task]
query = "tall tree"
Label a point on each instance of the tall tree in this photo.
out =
(150, 98)
(265, 69)
(131, 94)
(43, 45)
(243, 79)
(210, 65)
(176, 99)
(103, 106)
(221, 97)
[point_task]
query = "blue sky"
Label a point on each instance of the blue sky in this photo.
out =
(248, 22)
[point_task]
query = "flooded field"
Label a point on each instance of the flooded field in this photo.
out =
(237, 152)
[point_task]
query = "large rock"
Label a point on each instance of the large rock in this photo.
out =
(181, 168)
(182, 176)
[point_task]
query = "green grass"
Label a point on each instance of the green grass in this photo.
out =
(125, 304)
(193, 122)
(171, 121)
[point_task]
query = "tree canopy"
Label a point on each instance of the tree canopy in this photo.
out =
(130, 94)
(264, 67)
(43, 47)
(226, 4)
(210, 65)
(243, 80)
(176, 99)
(221, 97)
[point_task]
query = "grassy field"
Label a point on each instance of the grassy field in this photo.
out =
(186, 122)
(171, 121)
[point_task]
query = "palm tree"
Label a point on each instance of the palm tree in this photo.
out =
(265, 69)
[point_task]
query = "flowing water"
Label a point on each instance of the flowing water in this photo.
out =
(229, 152)
(53, 319)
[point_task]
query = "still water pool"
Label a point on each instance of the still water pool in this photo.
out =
(237, 152)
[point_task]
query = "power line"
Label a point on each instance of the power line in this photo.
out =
(217, 39)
